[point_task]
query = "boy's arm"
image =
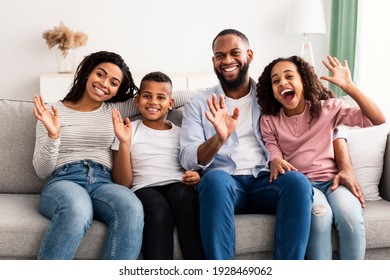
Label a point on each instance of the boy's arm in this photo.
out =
(122, 171)
(346, 175)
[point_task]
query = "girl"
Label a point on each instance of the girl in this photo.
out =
(73, 151)
(299, 117)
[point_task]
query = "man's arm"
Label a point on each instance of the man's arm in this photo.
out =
(346, 175)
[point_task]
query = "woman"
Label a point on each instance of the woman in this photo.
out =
(73, 150)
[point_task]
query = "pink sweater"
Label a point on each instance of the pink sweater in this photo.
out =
(309, 146)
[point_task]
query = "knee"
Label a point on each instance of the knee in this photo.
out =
(298, 185)
(131, 208)
(321, 219)
(215, 183)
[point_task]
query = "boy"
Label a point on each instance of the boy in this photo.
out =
(153, 171)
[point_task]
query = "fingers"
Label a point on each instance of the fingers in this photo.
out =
(236, 113)
(55, 111)
(116, 116)
(40, 107)
(222, 103)
(336, 182)
(214, 105)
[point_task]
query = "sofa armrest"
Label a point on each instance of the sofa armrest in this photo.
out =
(384, 185)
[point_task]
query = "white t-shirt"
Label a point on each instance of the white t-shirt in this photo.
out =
(154, 156)
(248, 152)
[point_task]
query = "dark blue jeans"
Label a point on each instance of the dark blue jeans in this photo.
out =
(221, 196)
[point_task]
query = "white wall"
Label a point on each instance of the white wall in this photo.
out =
(173, 36)
(373, 59)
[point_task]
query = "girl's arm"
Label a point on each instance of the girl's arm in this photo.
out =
(341, 76)
(122, 171)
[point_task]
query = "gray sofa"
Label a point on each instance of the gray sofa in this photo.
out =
(22, 226)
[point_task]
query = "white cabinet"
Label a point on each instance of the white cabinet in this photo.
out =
(54, 87)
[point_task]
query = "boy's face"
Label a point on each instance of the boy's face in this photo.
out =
(154, 100)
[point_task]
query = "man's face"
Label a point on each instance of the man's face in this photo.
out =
(231, 60)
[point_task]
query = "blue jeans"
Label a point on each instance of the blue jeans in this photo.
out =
(343, 209)
(221, 196)
(76, 194)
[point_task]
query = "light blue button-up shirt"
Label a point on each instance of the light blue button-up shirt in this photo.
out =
(196, 129)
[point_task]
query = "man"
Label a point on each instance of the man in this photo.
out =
(221, 135)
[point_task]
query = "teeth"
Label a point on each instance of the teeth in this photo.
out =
(100, 91)
(285, 91)
(152, 109)
(230, 69)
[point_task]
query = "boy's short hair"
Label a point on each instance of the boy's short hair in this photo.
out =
(156, 77)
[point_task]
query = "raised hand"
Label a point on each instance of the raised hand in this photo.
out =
(50, 120)
(223, 122)
(340, 74)
(122, 129)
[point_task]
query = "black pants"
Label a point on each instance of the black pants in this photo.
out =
(165, 207)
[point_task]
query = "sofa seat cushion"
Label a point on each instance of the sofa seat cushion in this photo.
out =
(22, 228)
(377, 223)
(254, 234)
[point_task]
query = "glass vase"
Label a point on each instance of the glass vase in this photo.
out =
(65, 61)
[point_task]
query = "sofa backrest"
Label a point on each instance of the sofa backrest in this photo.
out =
(17, 141)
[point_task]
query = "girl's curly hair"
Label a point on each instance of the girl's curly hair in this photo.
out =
(126, 89)
(314, 90)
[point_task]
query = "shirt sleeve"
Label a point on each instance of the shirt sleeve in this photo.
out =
(45, 153)
(192, 135)
(344, 114)
(340, 132)
(268, 132)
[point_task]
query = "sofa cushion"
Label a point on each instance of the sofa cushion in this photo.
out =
(17, 126)
(22, 228)
(367, 149)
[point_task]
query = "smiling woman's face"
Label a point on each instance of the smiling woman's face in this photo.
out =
(103, 82)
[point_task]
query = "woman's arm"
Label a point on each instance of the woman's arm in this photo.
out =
(47, 140)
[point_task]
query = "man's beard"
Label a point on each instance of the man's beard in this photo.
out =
(231, 85)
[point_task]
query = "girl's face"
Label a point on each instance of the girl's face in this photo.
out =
(103, 82)
(287, 87)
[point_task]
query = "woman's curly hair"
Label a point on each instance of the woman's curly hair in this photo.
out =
(314, 90)
(126, 89)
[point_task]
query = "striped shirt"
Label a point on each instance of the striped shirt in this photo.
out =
(83, 136)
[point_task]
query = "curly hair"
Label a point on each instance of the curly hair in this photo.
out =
(314, 90)
(126, 89)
